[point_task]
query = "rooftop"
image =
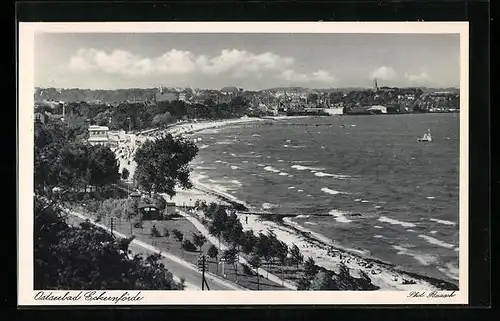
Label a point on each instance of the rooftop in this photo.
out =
(95, 127)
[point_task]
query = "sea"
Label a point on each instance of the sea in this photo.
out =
(365, 182)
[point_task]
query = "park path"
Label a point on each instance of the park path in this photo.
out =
(223, 247)
(178, 267)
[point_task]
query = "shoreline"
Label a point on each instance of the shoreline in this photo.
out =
(318, 246)
(388, 276)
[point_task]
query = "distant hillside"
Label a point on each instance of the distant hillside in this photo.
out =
(106, 96)
(347, 89)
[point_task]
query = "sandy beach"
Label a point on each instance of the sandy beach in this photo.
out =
(321, 249)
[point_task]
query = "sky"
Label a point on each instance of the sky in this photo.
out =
(249, 61)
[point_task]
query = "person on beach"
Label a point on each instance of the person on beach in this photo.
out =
(246, 219)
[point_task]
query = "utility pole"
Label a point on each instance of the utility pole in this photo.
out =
(111, 225)
(202, 266)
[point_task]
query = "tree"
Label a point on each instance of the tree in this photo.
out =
(103, 166)
(296, 257)
(214, 253)
(310, 268)
(178, 235)
(86, 257)
(125, 174)
(162, 120)
(199, 239)
(230, 257)
(162, 164)
(233, 230)
(248, 241)
(312, 98)
(218, 224)
(323, 281)
(256, 263)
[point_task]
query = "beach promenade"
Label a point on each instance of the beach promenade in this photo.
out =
(178, 267)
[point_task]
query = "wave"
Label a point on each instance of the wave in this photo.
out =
(322, 174)
(203, 146)
(340, 216)
(450, 270)
(331, 191)
(225, 142)
(424, 259)
(379, 236)
(293, 146)
(291, 187)
(386, 219)
(310, 223)
(442, 221)
(437, 242)
(305, 168)
(268, 206)
(271, 169)
(302, 216)
(283, 174)
(204, 167)
(234, 167)
(430, 197)
(377, 226)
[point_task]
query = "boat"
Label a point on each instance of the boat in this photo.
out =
(427, 137)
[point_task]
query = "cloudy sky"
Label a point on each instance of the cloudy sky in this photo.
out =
(250, 61)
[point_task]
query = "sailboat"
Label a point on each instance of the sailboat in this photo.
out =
(427, 137)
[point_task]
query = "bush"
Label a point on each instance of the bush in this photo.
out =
(155, 232)
(189, 246)
(125, 173)
(248, 271)
(166, 233)
(178, 235)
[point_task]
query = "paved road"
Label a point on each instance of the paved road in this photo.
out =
(178, 267)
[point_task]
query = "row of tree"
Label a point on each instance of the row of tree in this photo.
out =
(64, 162)
(82, 257)
(89, 258)
(142, 115)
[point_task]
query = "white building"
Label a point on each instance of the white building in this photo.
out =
(98, 135)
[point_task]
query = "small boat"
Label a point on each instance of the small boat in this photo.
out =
(427, 137)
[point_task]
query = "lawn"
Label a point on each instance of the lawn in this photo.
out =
(243, 276)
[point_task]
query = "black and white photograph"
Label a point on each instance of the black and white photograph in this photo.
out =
(192, 160)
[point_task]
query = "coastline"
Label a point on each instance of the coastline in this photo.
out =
(326, 254)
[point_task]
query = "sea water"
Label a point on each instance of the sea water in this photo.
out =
(365, 182)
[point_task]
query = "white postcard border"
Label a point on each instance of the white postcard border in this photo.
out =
(26, 294)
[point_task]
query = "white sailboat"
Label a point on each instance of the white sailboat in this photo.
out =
(427, 137)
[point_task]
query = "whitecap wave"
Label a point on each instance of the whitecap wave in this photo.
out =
(450, 270)
(424, 259)
(283, 174)
(442, 221)
(234, 167)
(268, 206)
(305, 168)
(322, 174)
(340, 216)
(293, 146)
(310, 223)
(435, 241)
(203, 146)
(386, 219)
(271, 169)
(331, 191)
